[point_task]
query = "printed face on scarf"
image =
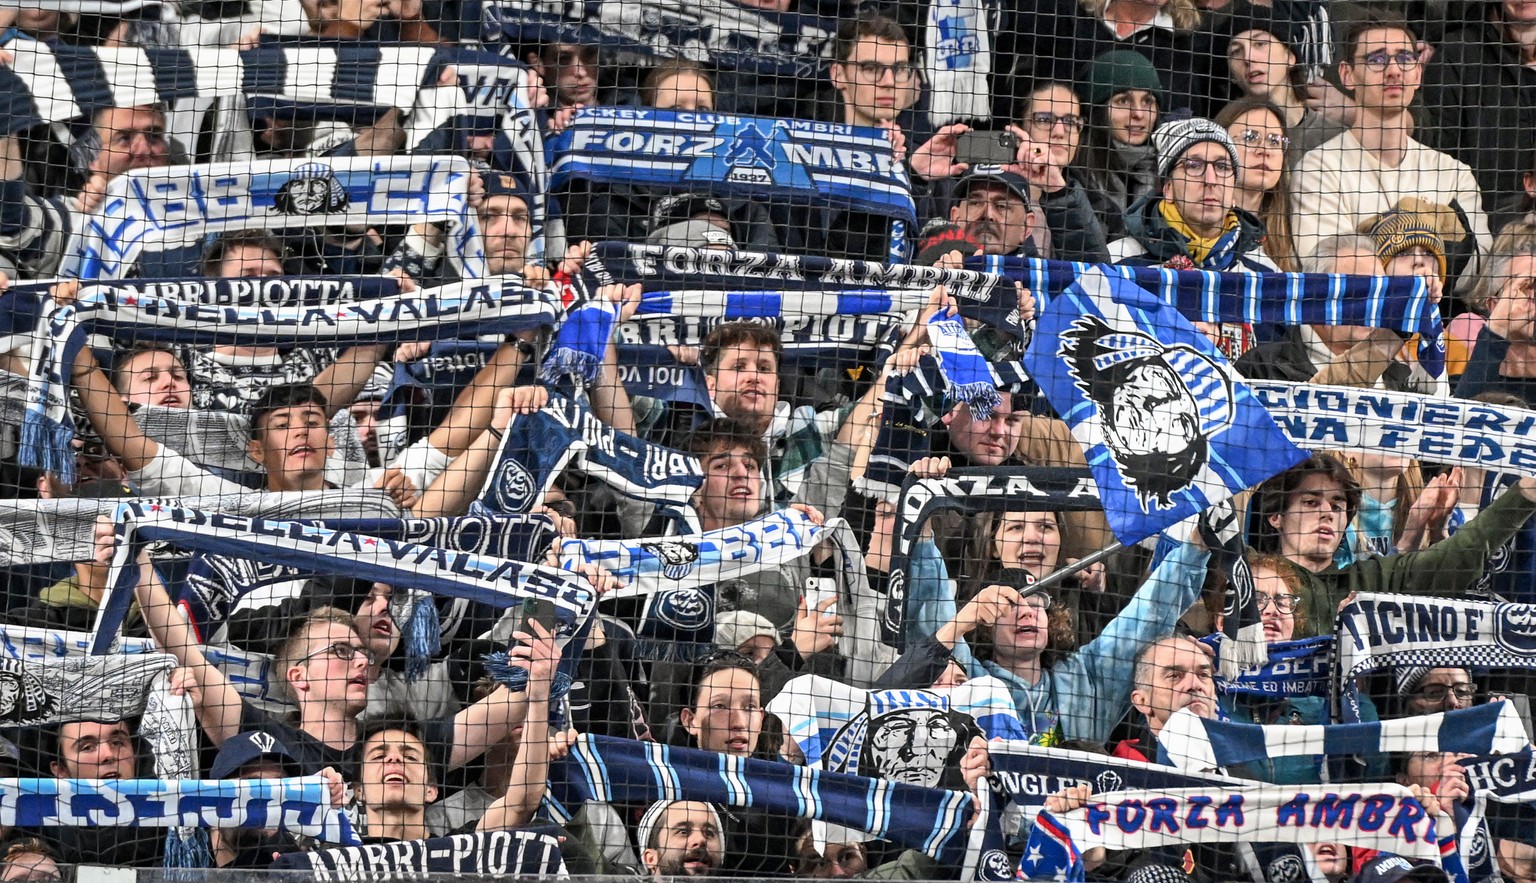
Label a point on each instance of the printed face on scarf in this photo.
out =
(994, 216)
(744, 383)
(506, 227)
(375, 623)
(1175, 674)
(131, 138)
(293, 444)
(323, 677)
(727, 715)
(395, 773)
(1029, 540)
(687, 842)
(985, 442)
(1203, 200)
(154, 377)
(910, 746)
(1312, 525)
(91, 750)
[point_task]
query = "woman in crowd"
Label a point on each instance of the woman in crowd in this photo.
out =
(1258, 129)
(1117, 163)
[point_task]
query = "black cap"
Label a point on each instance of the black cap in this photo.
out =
(1389, 868)
(244, 748)
(1015, 183)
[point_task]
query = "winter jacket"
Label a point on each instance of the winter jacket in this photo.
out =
(1152, 241)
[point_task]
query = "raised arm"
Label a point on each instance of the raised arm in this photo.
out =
(109, 415)
(536, 654)
(217, 703)
(451, 492)
(344, 378)
(473, 409)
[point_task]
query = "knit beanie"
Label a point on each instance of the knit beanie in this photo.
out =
(1172, 140)
(737, 627)
(1121, 71)
(1410, 225)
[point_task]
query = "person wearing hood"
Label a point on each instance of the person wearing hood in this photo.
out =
(1193, 222)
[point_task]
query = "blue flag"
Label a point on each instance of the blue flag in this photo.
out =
(1051, 854)
(1167, 427)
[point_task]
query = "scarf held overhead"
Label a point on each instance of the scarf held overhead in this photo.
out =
(611, 770)
(299, 805)
(176, 206)
(494, 581)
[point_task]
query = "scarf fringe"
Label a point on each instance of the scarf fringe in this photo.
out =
(187, 848)
(49, 445)
(567, 361)
(423, 637)
(499, 666)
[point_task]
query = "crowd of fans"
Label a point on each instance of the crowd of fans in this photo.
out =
(1319, 137)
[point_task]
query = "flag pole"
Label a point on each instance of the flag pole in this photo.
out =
(1056, 576)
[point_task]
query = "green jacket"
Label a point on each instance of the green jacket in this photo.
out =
(1447, 568)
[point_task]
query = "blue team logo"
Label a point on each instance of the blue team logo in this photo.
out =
(751, 156)
(1514, 628)
(313, 189)
(512, 490)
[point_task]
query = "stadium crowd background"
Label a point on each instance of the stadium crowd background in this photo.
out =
(1374, 140)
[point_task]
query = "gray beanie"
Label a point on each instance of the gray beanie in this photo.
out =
(1172, 140)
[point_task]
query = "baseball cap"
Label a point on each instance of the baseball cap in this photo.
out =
(993, 175)
(243, 748)
(505, 184)
(1389, 868)
(685, 207)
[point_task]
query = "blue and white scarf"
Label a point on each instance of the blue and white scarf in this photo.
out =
(51, 82)
(298, 805)
(1454, 432)
(1168, 428)
(675, 280)
(517, 854)
(496, 305)
(494, 581)
(610, 770)
(538, 446)
(844, 167)
(1293, 669)
(581, 343)
(830, 720)
(648, 566)
(1380, 817)
(1194, 744)
(767, 43)
(1407, 632)
(176, 206)
(968, 376)
(958, 36)
(1400, 303)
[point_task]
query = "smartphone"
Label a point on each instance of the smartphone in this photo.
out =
(987, 148)
(539, 610)
(817, 590)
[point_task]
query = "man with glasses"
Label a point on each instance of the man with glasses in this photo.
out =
(993, 207)
(324, 668)
(1194, 221)
(1431, 691)
(1371, 168)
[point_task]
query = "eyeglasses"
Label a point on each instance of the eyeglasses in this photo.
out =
(874, 71)
(343, 651)
(1283, 603)
(1194, 167)
(1406, 59)
(1437, 693)
(1273, 141)
(1039, 602)
(1047, 121)
(998, 205)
